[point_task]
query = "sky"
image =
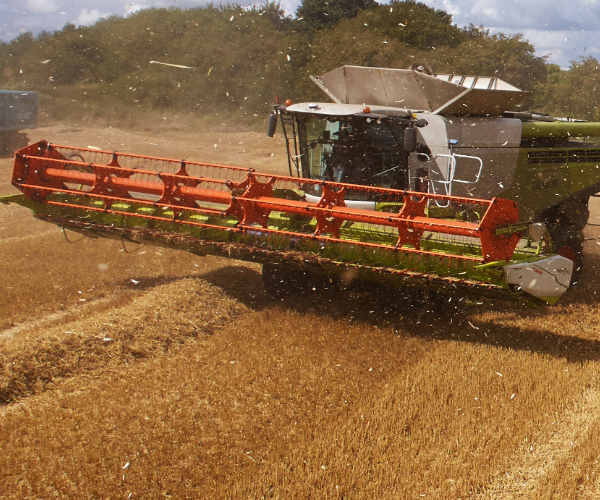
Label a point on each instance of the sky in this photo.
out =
(559, 29)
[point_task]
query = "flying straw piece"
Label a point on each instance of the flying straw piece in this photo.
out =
(173, 65)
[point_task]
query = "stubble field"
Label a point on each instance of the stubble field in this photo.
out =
(130, 372)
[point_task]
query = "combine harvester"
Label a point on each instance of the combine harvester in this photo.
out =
(449, 191)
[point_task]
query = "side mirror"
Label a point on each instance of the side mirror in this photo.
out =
(410, 140)
(272, 125)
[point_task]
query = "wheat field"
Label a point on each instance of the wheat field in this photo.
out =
(151, 373)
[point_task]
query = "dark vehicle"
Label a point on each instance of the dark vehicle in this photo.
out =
(18, 111)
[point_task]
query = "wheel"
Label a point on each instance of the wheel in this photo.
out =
(573, 213)
(565, 224)
(567, 242)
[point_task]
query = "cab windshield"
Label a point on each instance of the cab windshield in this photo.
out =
(352, 150)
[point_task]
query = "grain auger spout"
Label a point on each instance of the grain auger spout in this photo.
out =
(291, 224)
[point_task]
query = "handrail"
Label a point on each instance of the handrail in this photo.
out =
(451, 175)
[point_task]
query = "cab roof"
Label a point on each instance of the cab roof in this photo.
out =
(345, 110)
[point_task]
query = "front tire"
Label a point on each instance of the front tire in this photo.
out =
(567, 242)
(565, 224)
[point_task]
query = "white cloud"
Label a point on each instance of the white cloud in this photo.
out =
(482, 11)
(545, 23)
(87, 17)
(42, 6)
(451, 8)
(131, 9)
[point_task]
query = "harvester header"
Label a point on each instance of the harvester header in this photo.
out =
(400, 237)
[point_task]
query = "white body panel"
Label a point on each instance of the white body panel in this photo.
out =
(545, 279)
(364, 205)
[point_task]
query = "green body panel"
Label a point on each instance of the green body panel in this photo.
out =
(560, 130)
(584, 174)
(538, 186)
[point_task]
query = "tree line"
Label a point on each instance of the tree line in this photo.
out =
(237, 59)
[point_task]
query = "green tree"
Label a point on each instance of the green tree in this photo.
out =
(508, 57)
(319, 14)
(274, 12)
(574, 93)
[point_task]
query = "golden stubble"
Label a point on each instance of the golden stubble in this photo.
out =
(285, 404)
